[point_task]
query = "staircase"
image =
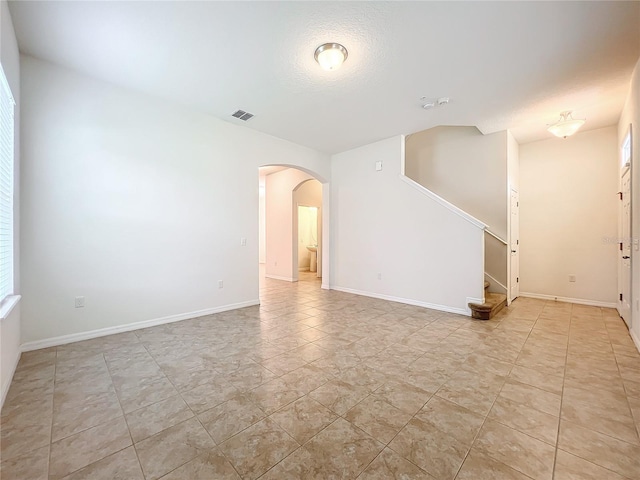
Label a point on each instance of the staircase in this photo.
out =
(493, 303)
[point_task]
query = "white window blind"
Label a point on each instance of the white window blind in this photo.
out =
(6, 187)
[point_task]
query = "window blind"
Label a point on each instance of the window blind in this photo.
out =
(6, 187)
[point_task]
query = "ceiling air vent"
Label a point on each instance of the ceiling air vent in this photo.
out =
(242, 115)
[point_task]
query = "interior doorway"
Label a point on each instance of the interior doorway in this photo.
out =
(292, 225)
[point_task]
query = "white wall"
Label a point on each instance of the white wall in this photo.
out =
(309, 194)
(10, 325)
(281, 218)
(135, 204)
(568, 208)
(631, 115)
(380, 225)
(468, 169)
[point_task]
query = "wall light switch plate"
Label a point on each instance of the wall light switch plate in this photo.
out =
(220, 284)
(572, 278)
(79, 302)
(243, 242)
(378, 166)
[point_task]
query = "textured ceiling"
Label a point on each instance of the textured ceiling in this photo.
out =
(512, 65)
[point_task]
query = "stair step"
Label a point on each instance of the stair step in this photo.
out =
(493, 303)
(486, 284)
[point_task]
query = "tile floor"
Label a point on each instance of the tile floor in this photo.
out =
(320, 384)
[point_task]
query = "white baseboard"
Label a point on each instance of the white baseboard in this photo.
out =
(7, 383)
(102, 332)
(325, 286)
(635, 339)
(579, 301)
(304, 269)
(408, 301)
(278, 277)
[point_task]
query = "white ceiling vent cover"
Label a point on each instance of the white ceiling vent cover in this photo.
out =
(242, 115)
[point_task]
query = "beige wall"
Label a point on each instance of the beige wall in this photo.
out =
(568, 210)
(464, 167)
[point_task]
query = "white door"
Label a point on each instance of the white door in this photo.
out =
(514, 247)
(624, 306)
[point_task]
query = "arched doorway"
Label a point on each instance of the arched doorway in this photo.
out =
(284, 188)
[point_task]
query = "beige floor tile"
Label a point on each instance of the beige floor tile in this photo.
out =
(274, 395)
(122, 465)
(303, 418)
(373, 361)
(16, 440)
(79, 450)
(570, 467)
(159, 416)
(173, 447)
(30, 466)
(83, 412)
(452, 419)
(230, 417)
(342, 447)
(255, 450)
(391, 466)
(208, 466)
(608, 452)
(209, 395)
(136, 393)
(517, 450)
(436, 452)
(403, 396)
(536, 378)
(478, 466)
(378, 418)
(339, 396)
(615, 420)
(533, 397)
(525, 419)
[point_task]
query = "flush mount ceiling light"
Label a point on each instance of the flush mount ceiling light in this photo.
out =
(330, 55)
(566, 126)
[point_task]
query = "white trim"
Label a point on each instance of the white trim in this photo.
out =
(579, 301)
(102, 332)
(278, 277)
(496, 282)
(325, 286)
(635, 339)
(438, 199)
(500, 239)
(417, 303)
(8, 305)
(7, 385)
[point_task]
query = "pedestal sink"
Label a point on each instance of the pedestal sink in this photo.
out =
(313, 264)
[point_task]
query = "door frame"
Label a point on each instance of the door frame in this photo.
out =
(625, 169)
(513, 261)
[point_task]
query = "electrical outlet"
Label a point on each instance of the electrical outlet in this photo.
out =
(572, 278)
(79, 302)
(220, 284)
(243, 242)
